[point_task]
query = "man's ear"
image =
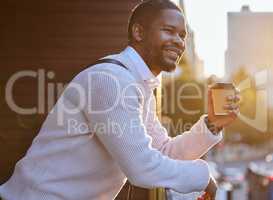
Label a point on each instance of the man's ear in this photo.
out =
(138, 32)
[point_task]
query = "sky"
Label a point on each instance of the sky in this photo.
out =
(208, 19)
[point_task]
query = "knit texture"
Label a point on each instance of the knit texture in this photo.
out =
(102, 130)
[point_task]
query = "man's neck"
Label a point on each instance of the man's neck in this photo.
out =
(140, 51)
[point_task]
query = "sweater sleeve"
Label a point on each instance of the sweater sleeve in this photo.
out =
(188, 145)
(115, 115)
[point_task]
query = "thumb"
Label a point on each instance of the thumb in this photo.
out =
(210, 103)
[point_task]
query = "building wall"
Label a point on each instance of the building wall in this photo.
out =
(60, 36)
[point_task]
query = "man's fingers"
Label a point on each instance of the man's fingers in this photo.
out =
(233, 110)
(205, 196)
(231, 107)
(208, 196)
(235, 99)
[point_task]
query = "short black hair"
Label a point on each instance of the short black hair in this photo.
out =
(146, 11)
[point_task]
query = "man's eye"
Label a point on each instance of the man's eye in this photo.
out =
(168, 30)
(182, 36)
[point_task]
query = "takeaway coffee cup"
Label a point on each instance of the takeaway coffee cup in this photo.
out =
(220, 92)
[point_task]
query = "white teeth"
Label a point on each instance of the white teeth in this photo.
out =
(173, 53)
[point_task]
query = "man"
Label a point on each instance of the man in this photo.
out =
(104, 128)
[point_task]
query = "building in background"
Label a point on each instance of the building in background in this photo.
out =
(249, 64)
(191, 58)
(250, 41)
(250, 46)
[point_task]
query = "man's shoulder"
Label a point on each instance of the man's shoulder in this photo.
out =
(109, 70)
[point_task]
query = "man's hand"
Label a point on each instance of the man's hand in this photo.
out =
(210, 191)
(217, 121)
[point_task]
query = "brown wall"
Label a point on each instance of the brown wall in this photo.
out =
(61, 36)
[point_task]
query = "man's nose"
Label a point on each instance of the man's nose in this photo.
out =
(179, 41)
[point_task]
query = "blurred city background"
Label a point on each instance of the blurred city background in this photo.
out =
(55, 40)
(242, 162)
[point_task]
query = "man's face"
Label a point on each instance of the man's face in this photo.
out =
(164, 41)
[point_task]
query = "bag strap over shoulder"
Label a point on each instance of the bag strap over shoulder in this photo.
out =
(110, 60)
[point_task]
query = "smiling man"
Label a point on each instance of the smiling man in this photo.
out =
(159, 37)
(122, 137)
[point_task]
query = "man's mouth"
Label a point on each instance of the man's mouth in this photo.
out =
(175, 53)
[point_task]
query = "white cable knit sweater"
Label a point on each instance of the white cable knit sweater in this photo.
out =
(109, 132)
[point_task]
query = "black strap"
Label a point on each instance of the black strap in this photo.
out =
(110, 60)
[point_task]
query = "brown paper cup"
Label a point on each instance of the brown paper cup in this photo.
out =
(220, 92)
